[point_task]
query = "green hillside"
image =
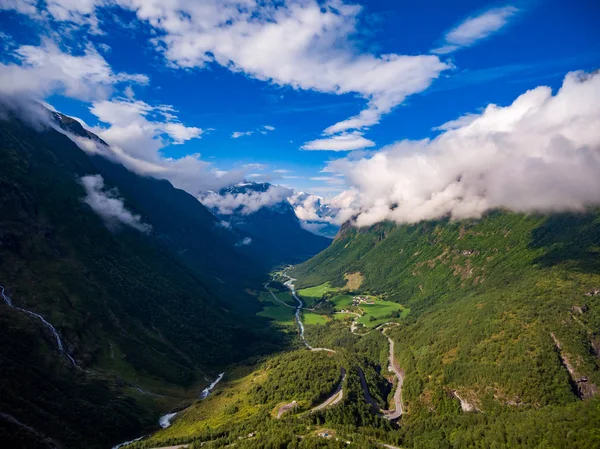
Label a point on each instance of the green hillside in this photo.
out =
(502, 314)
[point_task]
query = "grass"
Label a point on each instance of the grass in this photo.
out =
(312, 294)
(287, 298)
(380, 311)
(313, 318)
(343, 316)
(342, 302)
(228, 404)
(275, 311)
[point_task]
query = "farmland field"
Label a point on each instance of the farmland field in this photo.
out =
(313, 318)
(381, 312)
(276, 311)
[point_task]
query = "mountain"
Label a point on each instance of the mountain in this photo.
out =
(121, 294)
(315, 213)
(504, 314)
(262, 210)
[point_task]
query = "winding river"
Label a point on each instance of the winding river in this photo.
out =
(290, 285)
(298, 315)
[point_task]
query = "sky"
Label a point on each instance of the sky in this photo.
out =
(361, 102)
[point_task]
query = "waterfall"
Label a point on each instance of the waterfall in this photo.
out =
(59, 342)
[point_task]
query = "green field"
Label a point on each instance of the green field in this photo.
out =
(276, 311)
(312, 294)
(342, 302)
(381, 311)
(313, 318)
(343, 316)
(287, 298)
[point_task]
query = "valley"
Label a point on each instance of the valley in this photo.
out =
(169, 332)
(412, 366)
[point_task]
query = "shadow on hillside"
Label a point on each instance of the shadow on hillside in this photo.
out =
(569, 238)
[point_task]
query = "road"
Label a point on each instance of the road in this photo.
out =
(336, 397)
(391, 415)
(388, 414)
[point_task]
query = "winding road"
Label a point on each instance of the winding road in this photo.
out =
(393, 366)
(395, 414)
(336, 397)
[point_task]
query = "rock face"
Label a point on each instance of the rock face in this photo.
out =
(582, 386)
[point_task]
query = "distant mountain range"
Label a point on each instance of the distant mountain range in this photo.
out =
(263, 211)
(315, 213)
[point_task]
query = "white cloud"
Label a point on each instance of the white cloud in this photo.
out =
(139, 128)
(541, 153)
(461, 121)
(305, 44)
(341, 142)
(328, 179)
(238, 134)
(476, 28)
(244, 242)
(137, 133)
(108, 205)
(245, 203)
(45, 69)
(263, 130)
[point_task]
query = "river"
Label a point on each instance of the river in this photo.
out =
(290, 285)
(166, 420)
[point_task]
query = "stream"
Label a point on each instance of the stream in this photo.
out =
(208, 390)
(59, 342)
(166, 420)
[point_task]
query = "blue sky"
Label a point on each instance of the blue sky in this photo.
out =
(515, 47)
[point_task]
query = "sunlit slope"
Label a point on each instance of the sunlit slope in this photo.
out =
(503, 311)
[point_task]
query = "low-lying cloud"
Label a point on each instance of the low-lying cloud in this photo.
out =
(108, 205)
(539, 154)
(245, 203)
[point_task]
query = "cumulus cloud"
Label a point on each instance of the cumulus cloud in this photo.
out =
(305, 44)
(137, 133)
(476, 28)
(45, 69)
(341, 142)
(540, 153)
(244, 203)
(108, 205)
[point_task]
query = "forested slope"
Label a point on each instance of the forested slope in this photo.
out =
(132, 308)
(505, 315)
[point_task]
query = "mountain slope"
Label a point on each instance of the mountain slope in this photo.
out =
(132, 308)
(277, 235)
(504, 312)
